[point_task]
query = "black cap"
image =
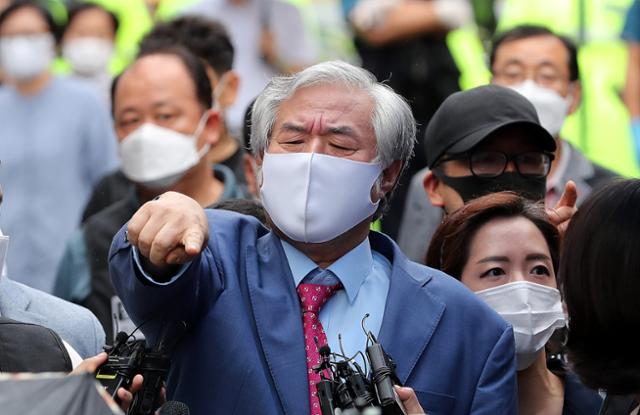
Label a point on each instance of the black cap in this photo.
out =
(466, 118)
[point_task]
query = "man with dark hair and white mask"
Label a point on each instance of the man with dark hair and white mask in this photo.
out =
(543, 67)
(165, 127)
(330, 142)
(56, 142)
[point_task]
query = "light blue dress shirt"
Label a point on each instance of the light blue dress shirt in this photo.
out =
(365, 276)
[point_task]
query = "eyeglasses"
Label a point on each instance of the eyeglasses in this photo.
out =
(490, 164)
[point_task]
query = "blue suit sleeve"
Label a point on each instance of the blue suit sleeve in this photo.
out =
(496, 391)
(159, 306)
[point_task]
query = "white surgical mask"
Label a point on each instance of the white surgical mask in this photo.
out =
(313, 197)
(157, 157)
(552, 108)
(26, 56)
(534, 311)
(4, 248)
(88, 56)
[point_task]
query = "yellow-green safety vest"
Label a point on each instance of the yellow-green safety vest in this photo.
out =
(600, 127)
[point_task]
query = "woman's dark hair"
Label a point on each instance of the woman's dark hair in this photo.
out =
(20, 4)
(449, 247)
(195, 67)
(600, 278)
(77, 9)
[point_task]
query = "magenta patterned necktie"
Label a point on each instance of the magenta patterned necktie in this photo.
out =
(312, 298)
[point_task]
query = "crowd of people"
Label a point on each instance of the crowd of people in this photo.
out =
(279, 175)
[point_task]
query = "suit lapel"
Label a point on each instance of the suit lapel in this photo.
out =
(411, 313)
(278, 318)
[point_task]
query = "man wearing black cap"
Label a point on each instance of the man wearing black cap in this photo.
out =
(484, 140)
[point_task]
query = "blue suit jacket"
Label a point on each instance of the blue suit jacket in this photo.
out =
(244, 353)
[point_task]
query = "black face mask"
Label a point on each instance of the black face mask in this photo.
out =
(472, 187)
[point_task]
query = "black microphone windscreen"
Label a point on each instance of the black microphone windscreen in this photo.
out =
(174, 408)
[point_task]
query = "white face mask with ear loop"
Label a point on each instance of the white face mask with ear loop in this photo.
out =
(552, 108)
(24, 57)
(314, 198)
(157, 157)
(535, 311)
(88, 56)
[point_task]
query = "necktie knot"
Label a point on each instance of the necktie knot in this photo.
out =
(314, 296)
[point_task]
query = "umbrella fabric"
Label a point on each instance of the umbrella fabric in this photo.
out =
(53, 394)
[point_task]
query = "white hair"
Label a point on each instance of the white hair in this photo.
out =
(392, 120)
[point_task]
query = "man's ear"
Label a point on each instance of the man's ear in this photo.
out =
(250, 174)
(432, 186)
(229, 89)
(390, 177)
(211, 131)
(576, 97)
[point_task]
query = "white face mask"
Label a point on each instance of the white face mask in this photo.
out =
(4, 248)
(157, 157)
(552, 108)
(88, 56)
(314, 198)
(25, 57)
(534, 311)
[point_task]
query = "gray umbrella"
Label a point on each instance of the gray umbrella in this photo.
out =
(53, 395)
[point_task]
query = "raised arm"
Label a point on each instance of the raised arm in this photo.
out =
(161, 266)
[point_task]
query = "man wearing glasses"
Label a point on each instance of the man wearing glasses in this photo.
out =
(543, 67)
(485, 140)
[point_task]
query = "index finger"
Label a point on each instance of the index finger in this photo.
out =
(569, 196)
(193, 240)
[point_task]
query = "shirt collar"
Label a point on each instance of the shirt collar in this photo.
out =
(351, 269)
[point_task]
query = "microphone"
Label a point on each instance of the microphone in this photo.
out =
(174, 408)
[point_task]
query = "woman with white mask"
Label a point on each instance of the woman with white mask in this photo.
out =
(88, 45)
(504, 249)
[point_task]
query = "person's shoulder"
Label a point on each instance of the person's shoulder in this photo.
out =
(72, 322)
(50, 306)
(578, 399)
(227, 224)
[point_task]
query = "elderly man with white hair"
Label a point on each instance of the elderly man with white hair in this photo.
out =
(331, 143)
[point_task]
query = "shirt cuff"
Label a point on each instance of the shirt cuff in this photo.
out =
(136, 259)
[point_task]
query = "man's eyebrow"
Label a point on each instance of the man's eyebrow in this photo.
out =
(287, 126)
(342, 130)
(493, 259)
(513, 61)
